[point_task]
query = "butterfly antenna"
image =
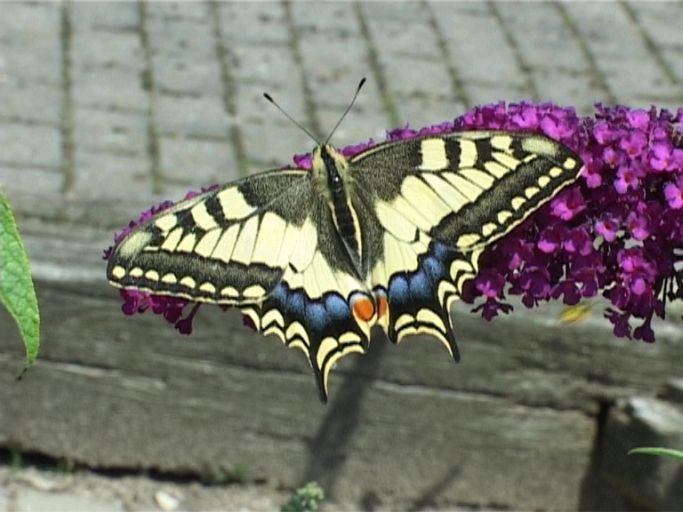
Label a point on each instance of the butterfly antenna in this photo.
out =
(301, 127)
(353, 100)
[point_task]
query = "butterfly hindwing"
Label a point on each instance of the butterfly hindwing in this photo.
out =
(439, 201)
(321, 307)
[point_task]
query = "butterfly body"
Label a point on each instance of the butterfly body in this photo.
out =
(318, 257)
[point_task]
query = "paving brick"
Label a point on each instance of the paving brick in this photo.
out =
(253, 22)
(253, 107)
(27, 180)
(274, 144)
(554, 46)
(180, 37)
(428, 111)
(29, 145)
(188, 76)
(262, 64)
(30, 22)
(29, 63)
(476, 45)
(175, 11)
(201, 116)
(426, 79)
(110, 131)
(673, 55)
(31, 102)
(479, 94)
(590, 21)
(109, 16)
(336, 19)
(103, 175)
(655, 19)
(334, 83)
(569, 88)
(30, 44)
(633, 76)
(199, 163)
(101, 50)
(406, 12)
(109, 88)
(400, 38)
(361, 124)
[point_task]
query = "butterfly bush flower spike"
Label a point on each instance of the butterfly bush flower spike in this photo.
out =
(613, 231)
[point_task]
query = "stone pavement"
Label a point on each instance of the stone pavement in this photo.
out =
(107, 107)
(106, 101)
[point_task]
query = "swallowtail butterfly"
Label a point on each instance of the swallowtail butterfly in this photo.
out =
(318, 257)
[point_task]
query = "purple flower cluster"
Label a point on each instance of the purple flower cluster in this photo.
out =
(612, 232)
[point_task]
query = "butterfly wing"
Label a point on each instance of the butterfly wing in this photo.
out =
(266, 244)
(438, 202)
(227, 246)
(322, 308)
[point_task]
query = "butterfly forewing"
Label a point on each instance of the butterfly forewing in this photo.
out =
(466, 189)
(229, 246)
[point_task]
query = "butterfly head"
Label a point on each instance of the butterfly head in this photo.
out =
(329, 165)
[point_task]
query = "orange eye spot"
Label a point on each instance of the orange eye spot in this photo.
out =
(382, 306)
(363, 308)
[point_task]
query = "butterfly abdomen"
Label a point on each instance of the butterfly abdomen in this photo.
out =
(329, 165)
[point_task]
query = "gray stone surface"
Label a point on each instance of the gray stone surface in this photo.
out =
(108, 107)
(35, 490)
(637, 481)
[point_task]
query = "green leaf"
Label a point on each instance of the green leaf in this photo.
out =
(662, 452)
(16, 286)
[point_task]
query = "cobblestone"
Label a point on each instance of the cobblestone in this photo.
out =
(106, 16)
(111, 131)
(28, 145)
(201, 116)
(30, 102)
(198, 162)
(113, 100)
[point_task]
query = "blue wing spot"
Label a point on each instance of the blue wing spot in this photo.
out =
(280, 294)
(316, 316)
(337, 308)
(398, 288)
(434, 268)
(295, 304)
(440, 250)
(420, 285)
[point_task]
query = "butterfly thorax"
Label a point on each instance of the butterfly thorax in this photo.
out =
(330, 171)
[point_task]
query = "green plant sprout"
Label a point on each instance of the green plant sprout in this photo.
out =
(661, 452)
(305, 499)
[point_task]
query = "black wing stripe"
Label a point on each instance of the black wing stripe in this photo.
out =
(171, 254)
